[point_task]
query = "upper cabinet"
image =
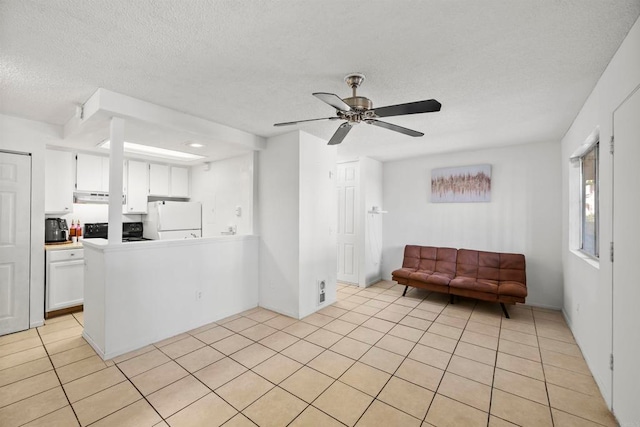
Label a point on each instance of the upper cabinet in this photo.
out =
(136, 184)
(168, 181)
(158, 180)
(92, 173)
(58, 170)
(179, 182)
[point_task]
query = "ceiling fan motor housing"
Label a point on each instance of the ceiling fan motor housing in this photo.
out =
(359, 103)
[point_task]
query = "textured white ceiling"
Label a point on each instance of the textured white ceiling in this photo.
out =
(506, 71)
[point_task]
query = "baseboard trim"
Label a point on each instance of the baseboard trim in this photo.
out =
(93, 344)
(36, 324)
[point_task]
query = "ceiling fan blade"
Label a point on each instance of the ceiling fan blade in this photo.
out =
(395, 128)
(342, 131)
(302, 121)
(428, 106)
(333, 100)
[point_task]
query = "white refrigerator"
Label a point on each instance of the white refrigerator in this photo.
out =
(166, 220)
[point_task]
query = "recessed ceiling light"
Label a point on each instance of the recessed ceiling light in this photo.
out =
(148, 150)
(193, 144)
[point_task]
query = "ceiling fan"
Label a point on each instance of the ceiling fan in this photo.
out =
(356, 109)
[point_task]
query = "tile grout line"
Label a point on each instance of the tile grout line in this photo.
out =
(445, 370)
(334, 380)
(59, 380)
(405, 358)
(229, 356)
(495, 367)
(142, 395)
(324, 349)
(258, 374)
(544, 374)
(338, 379)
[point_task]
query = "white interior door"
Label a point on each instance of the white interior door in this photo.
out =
(15, 241)
(347, 191)
(626, 238)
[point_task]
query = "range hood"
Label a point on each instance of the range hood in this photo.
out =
(97, 198)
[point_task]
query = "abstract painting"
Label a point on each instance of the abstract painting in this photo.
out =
(461, 184)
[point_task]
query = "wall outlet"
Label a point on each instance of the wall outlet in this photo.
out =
(322, 285)
(198, 295)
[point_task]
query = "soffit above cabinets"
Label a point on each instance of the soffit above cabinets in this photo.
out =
(153, 125)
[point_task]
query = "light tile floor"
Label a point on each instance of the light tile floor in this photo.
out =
(374, 358)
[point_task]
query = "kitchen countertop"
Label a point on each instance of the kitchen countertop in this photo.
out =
(104, 246)
(60, 246)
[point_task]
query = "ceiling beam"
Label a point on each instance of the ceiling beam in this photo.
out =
(104, 104)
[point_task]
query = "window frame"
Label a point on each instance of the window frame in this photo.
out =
(595, 148)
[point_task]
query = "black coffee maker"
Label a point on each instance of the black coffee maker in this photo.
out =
(55, 230)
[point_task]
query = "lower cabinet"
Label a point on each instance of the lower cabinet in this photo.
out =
(64, 278)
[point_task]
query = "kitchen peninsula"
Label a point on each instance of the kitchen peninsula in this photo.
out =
(139, 293)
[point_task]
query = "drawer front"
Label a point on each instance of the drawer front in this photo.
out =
(65, 255)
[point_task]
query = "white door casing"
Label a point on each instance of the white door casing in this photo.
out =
(626, 233)
(347, 185)
(15, 241)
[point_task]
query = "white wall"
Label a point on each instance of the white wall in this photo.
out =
(278, 200)
(318, 257)
(587, 285)
(296, 222)
(523, 215)
(26, 136)
(226, 185)
(135, 295)
(371, 230)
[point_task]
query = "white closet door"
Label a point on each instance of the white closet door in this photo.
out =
(348, 251)
(626, 236)
(15, 241)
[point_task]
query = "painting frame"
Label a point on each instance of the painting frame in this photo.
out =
(461, 184)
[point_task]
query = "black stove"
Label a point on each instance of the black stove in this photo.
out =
(98, 230)
(131, 231)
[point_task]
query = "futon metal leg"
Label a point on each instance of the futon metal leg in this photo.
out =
(405, 290)
(504, 310)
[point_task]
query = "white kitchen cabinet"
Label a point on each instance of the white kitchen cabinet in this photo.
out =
(64, 278)
(92, 173)
(158, 180)
(179, 182)
(136, 187)
(59, 180)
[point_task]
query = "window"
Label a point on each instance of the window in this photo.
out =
(589, 201)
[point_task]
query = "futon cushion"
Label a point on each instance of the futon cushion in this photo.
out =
(514, 289)
(403, 272)
(411, 257)
(439, 279)
(473, 284)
